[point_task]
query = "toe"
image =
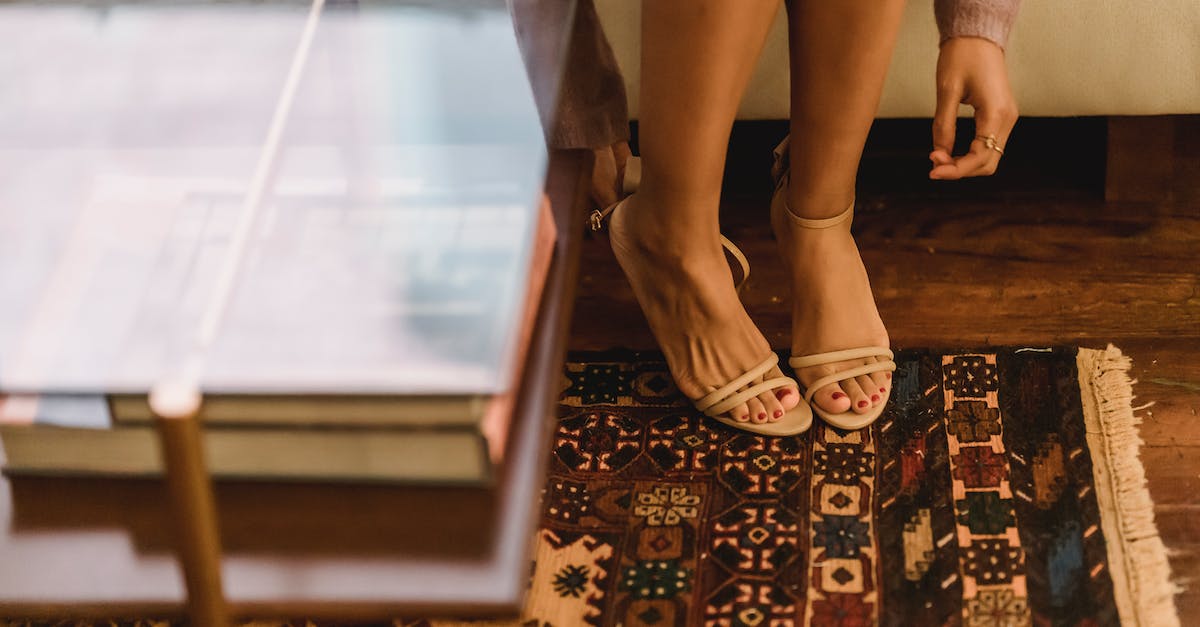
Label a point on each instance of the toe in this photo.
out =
(882, 384)
(869, 388)
(758, 413)
(789, 396)
(771, 405)
(832, 398)
(860, 401)
(741, 413)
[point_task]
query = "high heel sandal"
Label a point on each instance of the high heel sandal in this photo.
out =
(848, 420)
(716, 404)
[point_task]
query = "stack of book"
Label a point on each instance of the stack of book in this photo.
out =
(443, 438)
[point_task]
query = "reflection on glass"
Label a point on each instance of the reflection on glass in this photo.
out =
(362, 226)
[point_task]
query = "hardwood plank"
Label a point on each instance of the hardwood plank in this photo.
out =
(1185, 571)
(1179, 525)
(1187, 603)
(1167, 375)
(987, 273)
(1173, 474)
(966, 274)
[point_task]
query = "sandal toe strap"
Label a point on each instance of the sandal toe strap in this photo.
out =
(747, 394)
(730, 389)
(879, 366)
(819, 359)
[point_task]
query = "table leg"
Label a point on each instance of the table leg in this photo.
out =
(192, 508)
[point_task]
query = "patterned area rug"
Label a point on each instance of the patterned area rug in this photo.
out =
(1000, 488)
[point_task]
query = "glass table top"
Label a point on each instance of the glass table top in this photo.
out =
(264, 197)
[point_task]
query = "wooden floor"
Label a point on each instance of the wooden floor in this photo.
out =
(1025, 269)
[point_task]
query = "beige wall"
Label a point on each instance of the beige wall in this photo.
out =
(1066, 57)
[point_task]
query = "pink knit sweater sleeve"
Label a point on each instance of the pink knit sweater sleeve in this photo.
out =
(990, 19)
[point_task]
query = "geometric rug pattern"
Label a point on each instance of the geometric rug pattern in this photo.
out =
(971, 501)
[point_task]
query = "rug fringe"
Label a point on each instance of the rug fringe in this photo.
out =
(1141, 574)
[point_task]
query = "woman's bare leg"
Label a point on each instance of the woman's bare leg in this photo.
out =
(840, 53)
(697, 58)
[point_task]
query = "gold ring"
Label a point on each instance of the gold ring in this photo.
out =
(991, 143)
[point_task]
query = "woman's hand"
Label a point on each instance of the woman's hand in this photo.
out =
(971, 70)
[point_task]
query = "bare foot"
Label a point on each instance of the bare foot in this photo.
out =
(832, 309)
(681, 279)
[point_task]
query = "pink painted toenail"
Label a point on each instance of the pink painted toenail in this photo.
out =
(882, 389)
(862, 403)
(837, 395)
(778, 413)
(875, 397)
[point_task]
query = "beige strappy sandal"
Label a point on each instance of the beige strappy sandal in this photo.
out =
(717, 403)
(848, 420)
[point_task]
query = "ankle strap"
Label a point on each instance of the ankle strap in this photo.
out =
(779, 171)
(824, 223)
(598, 216)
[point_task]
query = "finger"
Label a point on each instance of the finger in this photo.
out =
(996, 119)
(940, 157)
(970, 164)
(991, 158)
(946, 116)
(995, 122)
